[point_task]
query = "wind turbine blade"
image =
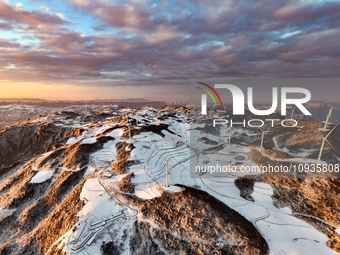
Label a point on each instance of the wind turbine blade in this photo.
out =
(330, 116)
(331, 131)
(260, 129)
(163, 167)
(331, 145)
(173, 163)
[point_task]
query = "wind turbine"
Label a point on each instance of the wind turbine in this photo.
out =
(291, 116)
(328, 116)
(166, 165)
(323, 142)
(136, 119)
(185, 132)
(230, 134)
(262, 137)
(128, 123)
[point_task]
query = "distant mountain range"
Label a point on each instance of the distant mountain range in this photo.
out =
(13, 110)
(128, 102)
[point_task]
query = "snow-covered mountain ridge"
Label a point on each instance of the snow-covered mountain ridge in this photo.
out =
(94, 183)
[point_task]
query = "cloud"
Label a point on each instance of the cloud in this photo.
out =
(163, 34)
(19, 15)
(5, 26)
(171, 43)
(123, 17)
(298, 11)
(8, 44)
(60, 15)
(133, 16)
(18, 5)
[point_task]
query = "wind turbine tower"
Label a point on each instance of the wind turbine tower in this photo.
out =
(291, 116)
(328, 116)
(166, 168)
(262, 137)
(323, 142)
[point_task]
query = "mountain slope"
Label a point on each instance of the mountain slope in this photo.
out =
(80, 184)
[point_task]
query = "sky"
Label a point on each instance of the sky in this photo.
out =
(82, 49)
